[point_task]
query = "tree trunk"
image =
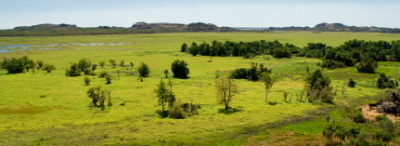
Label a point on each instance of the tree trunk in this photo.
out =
(266, 96)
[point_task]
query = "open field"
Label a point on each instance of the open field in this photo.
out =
(50, 108)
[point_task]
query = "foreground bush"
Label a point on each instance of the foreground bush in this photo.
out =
(179, 69)
(18, 65)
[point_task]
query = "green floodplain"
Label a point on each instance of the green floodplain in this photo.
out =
(43, 108)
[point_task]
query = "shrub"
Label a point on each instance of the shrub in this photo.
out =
(40, 64)
(179, 69)
(351, 83)
(87, 81)
(317, 87)
(113, 63)
(18, 65)
(102, 63)
(73, 70)
(85, 65)
(103, 74)
(49, 68)
(143, 70)
(121, 63)
(108, 79)
(253, 73)
(385, 82)
(99, 96)
(367, 65)
(176, 112)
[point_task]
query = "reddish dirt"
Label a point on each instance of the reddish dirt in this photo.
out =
(370, 114)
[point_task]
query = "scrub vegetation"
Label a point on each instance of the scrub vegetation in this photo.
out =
(148, 89)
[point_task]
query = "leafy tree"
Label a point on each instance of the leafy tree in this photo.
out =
(317, 87)
(179, 69)
(194, 49)
(102, 64)
(166, 73)
(108, 79)
(86, 80)
(351, 83)
(99, 96)
(282, 53)
(225, 89)
(73, 70)
(143, 70)
(184, 47)
(40, 64)
(85, 65)
(367, 65)
(18, 65)
(49, 68)
(268, 81)
(395, 51)
(385, 82)
(165, 96)
(113, 63)
(121, 63)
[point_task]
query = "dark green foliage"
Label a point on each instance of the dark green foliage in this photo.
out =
(179, 69)
(73, 70)
(317, 87)
(184, 47)
(18, 65)
(99, 96)
(166, 73)
(395, 51)
(357, 116)
(332, 64)
(87, 80)
(143, 70)
(253, 73)
(49, 68)
(244, 49)
(108, 79)
(351, 83)
(85, 65)
(176, 112)
(367, 65)
(385, 82)
(103, 74)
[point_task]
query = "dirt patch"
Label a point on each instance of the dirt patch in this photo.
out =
(24, 110)
(371, 113)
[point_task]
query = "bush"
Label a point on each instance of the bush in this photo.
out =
(103, 74)
(108, 79)
(18, 65)
(102, 63)
(49, 68)
(367, 65)
(143, 70)
(180, 69)
(87, 81)
(351, 83)
(73, 70)
(317, 87)
(253, 73)
(176, 112)
(385, 82)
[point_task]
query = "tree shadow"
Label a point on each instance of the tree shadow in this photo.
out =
(230, 110)
(163, 114)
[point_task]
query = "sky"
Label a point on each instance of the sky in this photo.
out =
(232, 13)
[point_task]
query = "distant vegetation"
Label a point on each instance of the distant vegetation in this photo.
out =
(143, 27)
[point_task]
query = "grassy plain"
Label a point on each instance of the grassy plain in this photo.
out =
(41, 108)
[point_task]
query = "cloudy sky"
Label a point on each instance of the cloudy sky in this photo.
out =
(233, 13)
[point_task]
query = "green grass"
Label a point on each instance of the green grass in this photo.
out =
(63, 117)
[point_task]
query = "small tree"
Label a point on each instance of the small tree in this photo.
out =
(73, 70)
(268, 81)
(85, 65)
(317, 87)
(40, 64)
(49, 68)
(99, 96)
(113, 63)
(184, 47)
(225, 89)
(87, 80)
(108, 79)
(121, 63)
(179, 69)
(351, 83)
(165, 96)
(143, 70)
(166, 73)
(102, 64)
(367, 65)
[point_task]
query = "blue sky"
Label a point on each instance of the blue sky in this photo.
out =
(233, 13)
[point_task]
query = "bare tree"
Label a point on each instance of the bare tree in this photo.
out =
(268, 81)
(226, 89)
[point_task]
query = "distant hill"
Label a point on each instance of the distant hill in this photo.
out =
(143, 27)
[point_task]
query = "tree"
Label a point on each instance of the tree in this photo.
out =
(165, 96)
(113, 63)
(180, 69)
(166, 73)
(85, 65)
(102, 63)
(317, 87)
(367, 65)
(86, 80)
(143, 70)
(225, 89)
(73, 70)
(49, 68)
(99, 96)
(268, 81)
(18, 65)
(40, 64)
(184, 47)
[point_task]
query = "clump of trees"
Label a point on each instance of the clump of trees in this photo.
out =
(385, 82)
(18, 65)
(367, 65)
(99, 96)
(166, 97)
(243, 49)
(84, 65)
(253, 73)
(179, 69)
(318, 87)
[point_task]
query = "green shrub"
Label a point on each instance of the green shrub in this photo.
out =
(179, 69)
(103, 74)
(175, 111)
(49, 68)
(143, 70)
(18, 65)
(351, 83)
(73, 70)
(367, 65)
(87, 81)
(108, 79)
(102, 64)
